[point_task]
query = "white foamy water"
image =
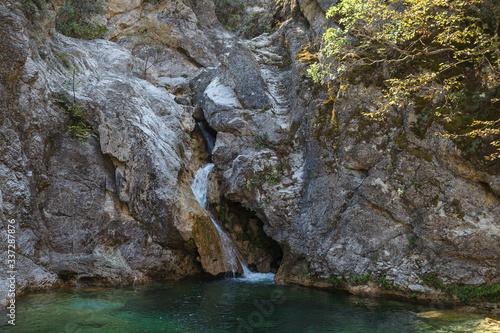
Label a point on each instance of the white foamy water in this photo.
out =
(199, 188)
(230, 254)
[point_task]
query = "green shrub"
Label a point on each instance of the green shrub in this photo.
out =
(412, 242)
(335, 280)
(490, 293)
(63, 56)
(431, 279)
(385, 284)
(273, 176)
(34, 9)
(359, 279)
(78, 126)
(75, 19)
(441, 57)
(465, 293)
(231, 13)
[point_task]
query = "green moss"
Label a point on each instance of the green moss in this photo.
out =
(222, 215)
(335, 220)
(366, 127)
(425, 117)
(368, 75)
(197, 219)
(326, 129)
(455, 204)
(293, 129)
(306, 56)
(284, 64)
(246, 116)
(457, 124)
(420, 154)
(401, 141)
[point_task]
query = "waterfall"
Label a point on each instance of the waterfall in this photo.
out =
(210, 139)
(228, 249)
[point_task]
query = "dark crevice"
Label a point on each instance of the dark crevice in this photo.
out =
(209, 134)
(188, 57)
(263, 253)
(299, 17)
(487, 188)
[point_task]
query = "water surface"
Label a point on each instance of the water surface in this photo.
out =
(229, 305)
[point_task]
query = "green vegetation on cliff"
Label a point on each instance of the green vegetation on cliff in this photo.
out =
(465, 293)
(441, 57)
(78, 126)
(235, 16)
(76, 18)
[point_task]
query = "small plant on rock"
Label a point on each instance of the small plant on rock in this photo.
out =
(76, 19)
(359, 279)
(78, 125)
(34, 9)
(335, 280)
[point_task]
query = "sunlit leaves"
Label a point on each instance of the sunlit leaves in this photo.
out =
(404, 35)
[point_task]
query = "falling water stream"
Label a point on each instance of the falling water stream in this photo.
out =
(231, 257)
(208, 137)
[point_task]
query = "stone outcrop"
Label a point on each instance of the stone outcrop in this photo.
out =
(344, 195)
(103, 209)
(341, 194)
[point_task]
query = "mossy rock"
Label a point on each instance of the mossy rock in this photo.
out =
(422, 155)
(207, 241)
(306, 56)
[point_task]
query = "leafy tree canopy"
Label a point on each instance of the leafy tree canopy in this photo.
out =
(443, 53)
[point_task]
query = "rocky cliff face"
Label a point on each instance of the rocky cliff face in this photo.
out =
(111, 208)
(342, 195)
(346, 196)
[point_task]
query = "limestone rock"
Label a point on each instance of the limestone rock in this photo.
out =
(340, 193)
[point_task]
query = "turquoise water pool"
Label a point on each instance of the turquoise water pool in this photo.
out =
(229, 305)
